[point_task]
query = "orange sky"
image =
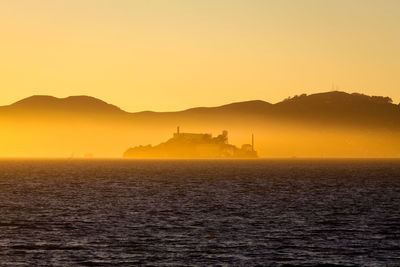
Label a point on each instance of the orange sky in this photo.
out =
(176, 54)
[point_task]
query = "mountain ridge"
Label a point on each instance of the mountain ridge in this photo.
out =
(330, 123)
(80, 103)
(324, 108)
(323, 99)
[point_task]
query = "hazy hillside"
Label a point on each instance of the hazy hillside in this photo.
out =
(49, 105)
(325, 124)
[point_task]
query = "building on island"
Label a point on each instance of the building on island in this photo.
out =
(194, 145)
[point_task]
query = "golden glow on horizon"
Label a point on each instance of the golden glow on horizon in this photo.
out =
(72, 136)
(172, 55)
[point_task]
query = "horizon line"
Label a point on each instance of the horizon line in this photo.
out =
(185, 109)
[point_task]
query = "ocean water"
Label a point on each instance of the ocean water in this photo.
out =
(199, 212)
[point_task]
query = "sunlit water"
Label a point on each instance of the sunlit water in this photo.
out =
(298, 212)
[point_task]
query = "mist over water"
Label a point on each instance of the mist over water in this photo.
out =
(199, 212)
(330, 124)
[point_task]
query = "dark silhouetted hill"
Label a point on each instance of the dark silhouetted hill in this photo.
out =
(340, 108)
(72, 104)
(330, 108)
(332, 123)
(247, 107)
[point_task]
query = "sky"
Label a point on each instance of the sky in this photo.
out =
(170, 55)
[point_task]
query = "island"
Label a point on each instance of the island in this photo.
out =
(194, 145)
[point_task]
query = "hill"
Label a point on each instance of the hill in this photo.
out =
(323, 109)
(42, 104)
(324, 124)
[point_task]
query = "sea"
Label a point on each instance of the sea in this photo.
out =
(294, 212)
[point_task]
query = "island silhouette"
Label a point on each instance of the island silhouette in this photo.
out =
(193, 145)
(329, 124)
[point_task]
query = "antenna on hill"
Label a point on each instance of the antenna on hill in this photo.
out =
(177, 130)
(335, 87)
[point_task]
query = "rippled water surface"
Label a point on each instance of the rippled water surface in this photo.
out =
(123, 212)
